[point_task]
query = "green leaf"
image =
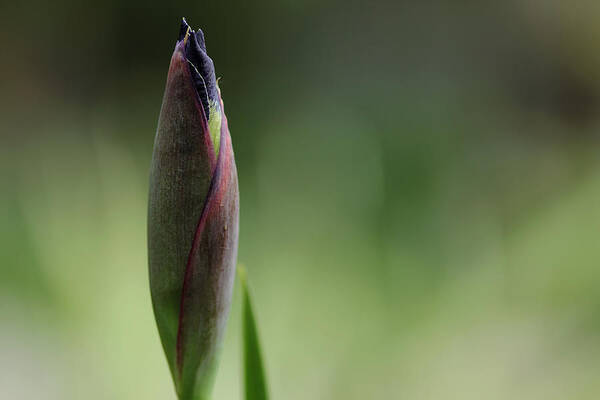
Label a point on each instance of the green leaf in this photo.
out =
(255, 384)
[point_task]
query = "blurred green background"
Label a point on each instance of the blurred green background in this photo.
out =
(420, 190)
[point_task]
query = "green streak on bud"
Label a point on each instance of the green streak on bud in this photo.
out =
(214, 126)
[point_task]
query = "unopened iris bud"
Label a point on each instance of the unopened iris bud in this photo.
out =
(192, 218)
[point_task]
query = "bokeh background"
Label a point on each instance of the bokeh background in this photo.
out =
(420, 190)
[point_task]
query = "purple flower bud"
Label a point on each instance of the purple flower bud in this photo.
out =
(193, 213)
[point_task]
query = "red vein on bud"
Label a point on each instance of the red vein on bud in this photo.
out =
(216, 187)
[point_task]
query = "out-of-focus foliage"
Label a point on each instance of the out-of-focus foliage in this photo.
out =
(419, 190)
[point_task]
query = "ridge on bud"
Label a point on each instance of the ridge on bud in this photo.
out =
(193, 213)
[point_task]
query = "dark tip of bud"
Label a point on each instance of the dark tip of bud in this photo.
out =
(200, 39)
(202, 68)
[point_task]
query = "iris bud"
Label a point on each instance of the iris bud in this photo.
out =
(193, 213)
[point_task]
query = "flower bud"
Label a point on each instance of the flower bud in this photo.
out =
(193, 213)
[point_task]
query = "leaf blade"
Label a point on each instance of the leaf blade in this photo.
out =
(255, 385)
